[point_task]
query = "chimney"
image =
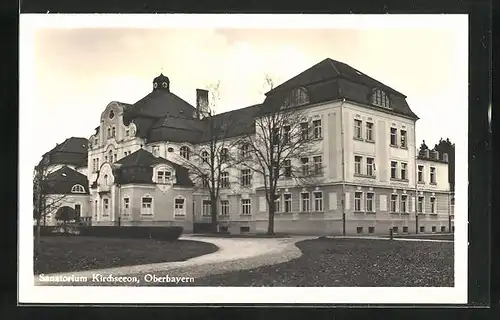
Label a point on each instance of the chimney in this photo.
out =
(202, 106)
(445, 157)
(436, 155)
(427, 154)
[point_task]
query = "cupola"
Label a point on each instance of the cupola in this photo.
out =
(161, 83)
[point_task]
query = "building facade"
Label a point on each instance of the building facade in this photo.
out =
(375, 178)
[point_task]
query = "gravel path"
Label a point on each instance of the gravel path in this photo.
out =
(233, 254)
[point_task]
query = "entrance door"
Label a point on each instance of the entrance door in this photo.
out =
(78, 211)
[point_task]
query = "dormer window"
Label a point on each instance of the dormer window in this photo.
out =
(78, 188)
(297, 97)
(380, 99)
(163, 176)
(204, 156)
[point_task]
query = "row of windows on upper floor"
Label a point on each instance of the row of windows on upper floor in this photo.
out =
(398, 203)
(401, 174)
(370, 136)
(111, 133)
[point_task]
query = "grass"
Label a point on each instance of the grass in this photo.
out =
(442, 236)
(352, 263)
(75, 253)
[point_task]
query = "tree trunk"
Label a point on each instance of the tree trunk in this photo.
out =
(270, 225)
(37, 237)
(213, 208)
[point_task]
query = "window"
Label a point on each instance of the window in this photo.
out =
(287, 199)
(110, 157)
(304, 131)
(433, 175)
(277, 204)
(246, 177)
(357, 201)
(395, 229)
(113, 132)
(380, 99)
(443, 228)
(403, 207)
(96, 141)
(224, 179)
(105, 179)
(184, 152)
(452, 206)
(97, 164)
(288, 168)
(394, 202)
(422, 229)
(357, 129)
(370, 167)
(115, 158)
(146, 208)
(359, 229)
(394, 134)
(369, 202)
(276, 170)
(304, 196)
(420, 174)
(204, 181)
(163, 176)
(126, 205)
(405, 229)
(318, 165)
(357, 164)
(318, 201)
(224, 155)
(276, 136)
(244, 150)
(369, 131)
(179, 207)
(105, 207)
(109, 133)
(317, 129)
(371, 229)
(155, 149)
(224, 207)
(305, 166)
(246, 206)
(433, 205)
(94, 165)
(244, 229)
(127, 133)
(286, 134)
(204, 156)
(434, 228)
(206, 208)
(403, 139)
(420, 204)
(403, 171)
(394, 166)
(78, 188)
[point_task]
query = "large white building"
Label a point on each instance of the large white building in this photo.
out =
(374, 178)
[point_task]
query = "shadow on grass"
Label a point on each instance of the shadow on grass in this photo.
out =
(66, 254)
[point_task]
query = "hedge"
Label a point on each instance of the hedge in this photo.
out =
(170, 233)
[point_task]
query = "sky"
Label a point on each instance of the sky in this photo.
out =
(72, 71)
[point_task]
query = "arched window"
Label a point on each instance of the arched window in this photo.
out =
(105, 179)
(109, 133)
(78, 188)
(245, 150)
(184, 152)
(110, 155)
(113, 132)
(204, 156)
(380, 99)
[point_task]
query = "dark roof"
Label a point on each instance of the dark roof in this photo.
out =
(61, 181)
(330, 80)
(138, 168)
(73, 151)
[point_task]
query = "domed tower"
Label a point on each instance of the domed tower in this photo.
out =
(161, 83)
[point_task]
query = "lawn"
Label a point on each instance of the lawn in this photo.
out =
(75, 253)
(352, 262)
(443, 236)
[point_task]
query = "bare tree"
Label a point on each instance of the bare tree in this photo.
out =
(44, 203)
(281, 145)
(212, 158)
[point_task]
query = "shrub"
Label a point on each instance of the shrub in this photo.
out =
(159, 233)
